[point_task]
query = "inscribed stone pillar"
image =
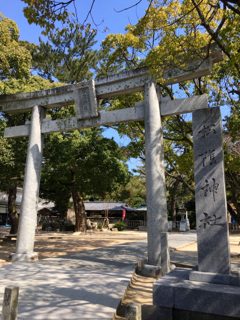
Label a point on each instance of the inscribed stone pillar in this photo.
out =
(155, 178)
(10, 303)
(210, 192)
(28, 212)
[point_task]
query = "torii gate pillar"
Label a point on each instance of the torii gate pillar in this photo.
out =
(158, 253)
(28, 215)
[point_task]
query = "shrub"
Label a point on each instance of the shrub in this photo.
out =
(120, 225)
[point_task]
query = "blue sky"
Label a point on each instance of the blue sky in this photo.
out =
(103, 10)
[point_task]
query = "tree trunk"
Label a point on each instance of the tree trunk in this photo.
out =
(80, 224)
(173, 200)
(12, 192)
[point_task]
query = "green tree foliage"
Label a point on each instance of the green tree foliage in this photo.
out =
(15, 60)
(169, 34)
(68, 56)
(232, 165)
(15, 77)
(81, 163)
(47, 13)
(13, 152)
(133, 193)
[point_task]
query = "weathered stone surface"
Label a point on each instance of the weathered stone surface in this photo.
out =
(155, 176)
(10, 303)
(193, 70)
(165, 255)
(28, 212)
(174, 107)
(123, 83)
(104, 119)
(169, 107)
(151, 271)
(88, 223)
(210, 192)
(122, 87)
(33, 256)
(133, 311)
(175, 291)
(214, 278)
(163, 289)
(85, 100)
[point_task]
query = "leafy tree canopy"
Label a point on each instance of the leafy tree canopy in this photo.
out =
(15, 59)
(67, 56)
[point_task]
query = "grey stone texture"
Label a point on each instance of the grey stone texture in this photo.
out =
(33, 256)
(85, 100)
(125, 82)
(119, 84)
(10, 303)
(155, 175)
(28, 213)
(177, 292)
(163, 289)
(174, 107)
(210, 192)
(214, 278)
(133, 311)
(165, 254)
(167, 107)
(151, 271)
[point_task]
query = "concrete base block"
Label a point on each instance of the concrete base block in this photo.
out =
(133, 311)
(214, 278)
(208, 301)
(151, 271)
(23, 256)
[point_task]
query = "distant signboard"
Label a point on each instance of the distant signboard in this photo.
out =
(183, 226)
(169, 225)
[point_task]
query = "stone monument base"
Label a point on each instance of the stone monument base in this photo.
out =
(151, 271)
(180, 298)
(23, 256)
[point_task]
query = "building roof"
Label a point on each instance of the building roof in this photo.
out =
(101, 206)
(143, 207)
(42, 203)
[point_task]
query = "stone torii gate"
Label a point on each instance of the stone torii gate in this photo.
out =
(85, 96)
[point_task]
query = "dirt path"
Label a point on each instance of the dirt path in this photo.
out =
(140, 288)
(49, 248)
